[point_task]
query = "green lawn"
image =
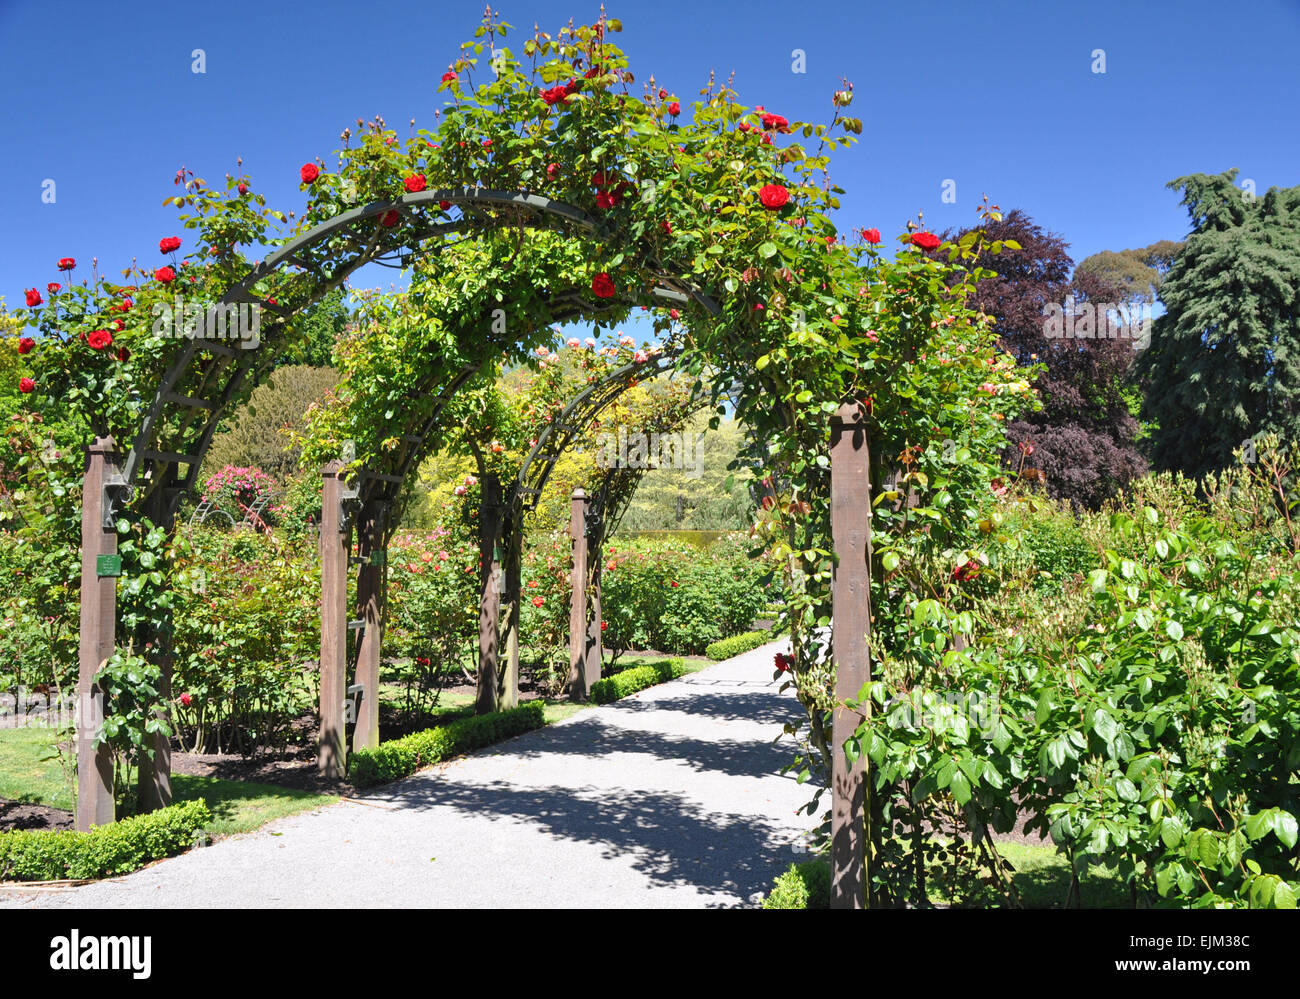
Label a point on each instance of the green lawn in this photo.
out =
(30, 772)
(1043, 877)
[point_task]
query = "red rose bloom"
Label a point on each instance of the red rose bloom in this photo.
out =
(389, 218)
(552, 169)
(25, 345)
(449, 77)
(123, 354)
(538, 601)
(186, 699)
(775, 122)
(54, 288)
(773, 196)
(783, 663)
(66, 263)
(603, 285)
(414, 183)
(25, 385)
(165, 274)
(674, 109)
(663, 94)
(925, 240)
(309, 172)
(444, 205)
(100, 339)
(872, 236)
(125, 306)
(554, 95)
(33, 298)
(170, 244)
(604, 625)
(243, 188)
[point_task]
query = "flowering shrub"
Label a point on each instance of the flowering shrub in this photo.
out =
(246, 640)
(237, 492)
(678, 598)
(1149, 722)
(432, 628)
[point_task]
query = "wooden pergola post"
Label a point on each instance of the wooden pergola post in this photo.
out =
(595, 649)
(489, 600)
(155, 780)
(333, 622)
(370, 583)
(100, 567)
(582, 671)
(851, 597)
(509, 684)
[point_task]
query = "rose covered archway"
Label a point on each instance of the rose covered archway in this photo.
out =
(547, 192)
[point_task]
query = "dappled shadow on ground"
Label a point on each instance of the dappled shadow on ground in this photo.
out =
(763, 707)
(669, 839)
(593, 739)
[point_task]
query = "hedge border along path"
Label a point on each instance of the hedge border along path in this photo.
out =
(104, 851)
(629, 681)
(402, 757)
(734, 645)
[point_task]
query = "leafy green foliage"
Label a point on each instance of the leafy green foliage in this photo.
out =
(246, 639)
(1222, 365)
(675, 597)
(1156, 732)
(105, 851)
(734, 645)
(259, 433)
(629, 681)
(402, 757)
(803, 886)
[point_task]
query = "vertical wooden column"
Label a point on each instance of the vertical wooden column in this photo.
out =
(370, 583)
(98, 634)
(155, 783)
(509, 683)
(333, 622)
(595, 650)
(851, 596)
(580, 678)
(489, 595)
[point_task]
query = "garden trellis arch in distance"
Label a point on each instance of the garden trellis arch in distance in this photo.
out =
(197, 390)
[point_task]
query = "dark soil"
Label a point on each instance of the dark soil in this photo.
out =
(16, 815)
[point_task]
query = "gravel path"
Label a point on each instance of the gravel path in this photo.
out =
(668, 798)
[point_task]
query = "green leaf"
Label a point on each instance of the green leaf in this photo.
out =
(1172, 831)
(960, 788)
(767, 249)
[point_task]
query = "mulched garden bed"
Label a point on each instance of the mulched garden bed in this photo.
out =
(15, 815)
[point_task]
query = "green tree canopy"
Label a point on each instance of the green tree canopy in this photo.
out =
(1223, 363)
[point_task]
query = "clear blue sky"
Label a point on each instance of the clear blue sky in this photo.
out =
(996, 96)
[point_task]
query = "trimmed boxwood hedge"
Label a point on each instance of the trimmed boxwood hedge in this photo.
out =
(803, 886)
(403, 757)
(736, 644)
(104, 851)
(638, 678)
